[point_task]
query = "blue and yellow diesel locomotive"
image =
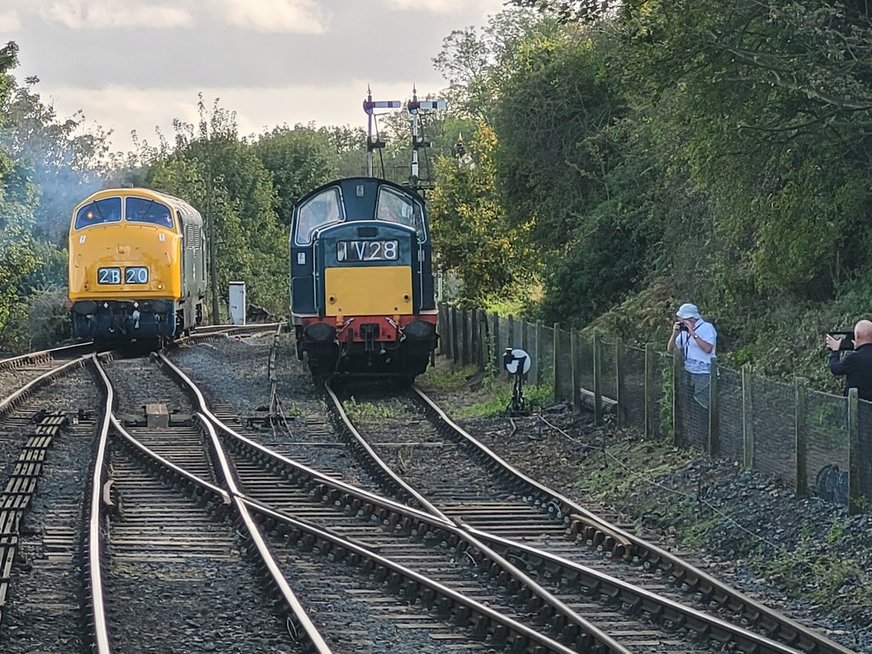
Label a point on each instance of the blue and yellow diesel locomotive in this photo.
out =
(361, 280)
(137, 267)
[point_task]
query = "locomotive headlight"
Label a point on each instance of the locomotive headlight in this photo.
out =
(320, 333)
(419, 330)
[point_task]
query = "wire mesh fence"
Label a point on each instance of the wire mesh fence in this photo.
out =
(773, 429)
(632, 399)
(563, 377)
(730, 413)
(785, 430)
(827, 455)
(864, 453)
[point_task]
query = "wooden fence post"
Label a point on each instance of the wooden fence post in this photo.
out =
(510, 330)
(597, 379)
(464, 336)
(455, 354)
(538, 351)
(473, 336)
(620, 391)
(574, 372)
(498, 349)
(555, 373)
(677, 372)
(855, 492)
(525, 337)
(442, 320)
(800, 402)
(748, 445)
(714, 433)
(651, 390)
(482, 340)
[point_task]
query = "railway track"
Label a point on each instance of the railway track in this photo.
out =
(438, 602)
(391, 530)
(53, 428)
(556, 539)
(529, 524)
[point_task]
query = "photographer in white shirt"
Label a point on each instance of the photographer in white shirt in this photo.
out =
(697, 340)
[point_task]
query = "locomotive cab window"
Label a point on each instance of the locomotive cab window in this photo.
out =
(398, 208)
(323, 209)
(107, 210)
(143, 210)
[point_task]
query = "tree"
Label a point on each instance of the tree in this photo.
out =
(475, 62)
(470, 230)
(222, 176)
(65, 163)
(298, 160)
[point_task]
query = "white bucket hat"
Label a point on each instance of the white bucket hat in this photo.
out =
(687, 310)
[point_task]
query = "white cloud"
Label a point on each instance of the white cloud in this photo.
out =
(83, 15)
(9, 21)
(286, 16)
(444, 6)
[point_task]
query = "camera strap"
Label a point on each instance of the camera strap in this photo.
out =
(699, 323)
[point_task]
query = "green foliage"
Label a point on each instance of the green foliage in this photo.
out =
(372, 410)
(497, 397)
(213, 169)
(299, 160)
(451, 379)
(469, 227)
(664, 151)
(43, 321)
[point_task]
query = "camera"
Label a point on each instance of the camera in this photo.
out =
(682, 327)
(847, 339)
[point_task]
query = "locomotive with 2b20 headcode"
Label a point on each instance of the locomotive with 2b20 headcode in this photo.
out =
(137, 266)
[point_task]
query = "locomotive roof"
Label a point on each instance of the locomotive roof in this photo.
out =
(188, 212)
(346, 182)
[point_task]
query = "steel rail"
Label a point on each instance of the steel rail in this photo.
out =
(340, 543)
(225, 329)
(790, 631)
(316, 640)
(601, 638)
(616, 589)
(9, 401)
(24, 359)
(705, 624)
(311, 472)
(95, 532)
(383, 468)
(415, 577)
(642, 599)
(178, 470)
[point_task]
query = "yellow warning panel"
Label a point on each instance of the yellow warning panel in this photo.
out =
(368, 291)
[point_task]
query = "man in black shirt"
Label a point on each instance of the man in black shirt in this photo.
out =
(856, 366)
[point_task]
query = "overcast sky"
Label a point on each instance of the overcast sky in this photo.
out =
(137, 64)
